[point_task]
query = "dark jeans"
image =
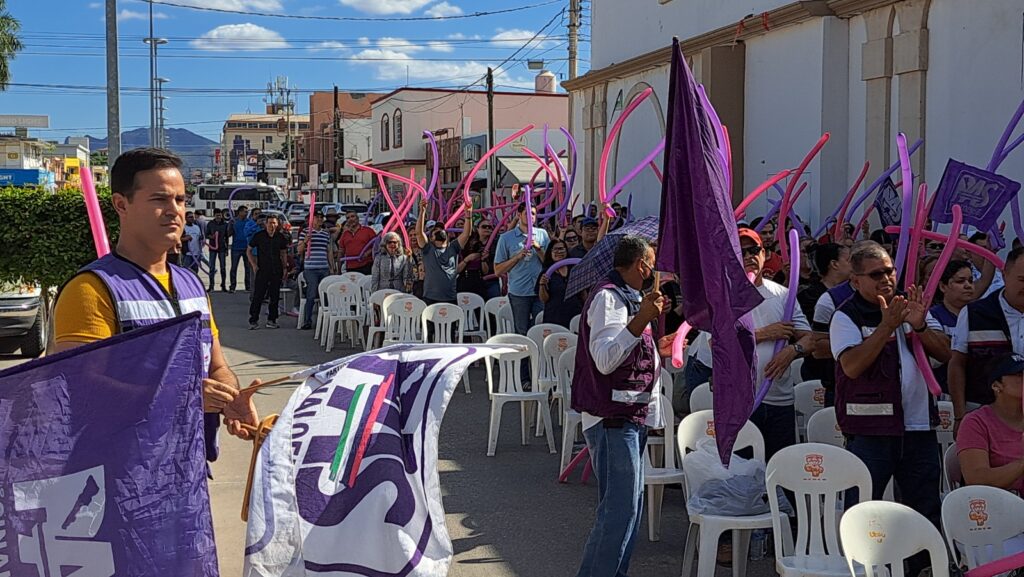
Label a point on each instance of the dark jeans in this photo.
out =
(313, 278)
(453, 335)
(222, 258)
(524, 311)
(777, 425)
(268, 283)
(617, 456)
(239, 255)
(368, 269)
(913, 460)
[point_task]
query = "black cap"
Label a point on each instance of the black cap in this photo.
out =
(1011, 364)
(318, 213)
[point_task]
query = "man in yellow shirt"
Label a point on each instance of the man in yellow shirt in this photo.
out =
(135, 285)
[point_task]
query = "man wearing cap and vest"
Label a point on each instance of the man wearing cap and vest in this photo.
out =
(986, 328)
(615, 389)
(883, 405)
(134, 286)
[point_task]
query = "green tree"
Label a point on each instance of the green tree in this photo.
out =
(9, 43)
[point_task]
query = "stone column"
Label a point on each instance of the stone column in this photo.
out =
(910, 62)
(876, 72)
(723, 73)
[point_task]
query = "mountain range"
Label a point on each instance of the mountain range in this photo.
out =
(195, 151)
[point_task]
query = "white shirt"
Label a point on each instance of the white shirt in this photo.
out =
(1014, 318)
(844, 334)
(195, 246)
(997, 280)
(610, 344)
(770, 312)
(824, 309)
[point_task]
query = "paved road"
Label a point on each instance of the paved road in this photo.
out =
(507, 515)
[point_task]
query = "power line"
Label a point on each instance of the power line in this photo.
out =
(358, 18)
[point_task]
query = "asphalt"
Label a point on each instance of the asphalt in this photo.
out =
(507, 515)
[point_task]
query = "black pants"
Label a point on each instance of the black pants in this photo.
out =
(777, 425)
(268, 283)
(239, 255)
(430, 326)
(219, 258)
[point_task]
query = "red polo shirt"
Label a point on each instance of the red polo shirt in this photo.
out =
(352, 244)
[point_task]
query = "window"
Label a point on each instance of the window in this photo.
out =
(269, 139)
(385, 133)
(398, 129)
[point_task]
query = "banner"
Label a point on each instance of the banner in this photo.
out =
(982, 195)
(346, 482)
(888, 204)
(102, 467)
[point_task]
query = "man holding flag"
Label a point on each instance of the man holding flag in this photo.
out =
(134, 286)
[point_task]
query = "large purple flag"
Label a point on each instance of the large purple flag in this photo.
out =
(102, 465)
(698, 240)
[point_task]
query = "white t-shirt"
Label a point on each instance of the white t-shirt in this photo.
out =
(610, 344)
(824, 309)
(844, 334)
(769, 312)
(1014, 319)
(195, 246)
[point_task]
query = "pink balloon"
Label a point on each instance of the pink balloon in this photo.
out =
(309, 228)
(1004, 565)
(648, 160)
(678, 345)
(396, 215)
(968, 246)
(849, 197)
(602, 176)
(92, 208)
(745, 203)
(788, 201)
(479, 164)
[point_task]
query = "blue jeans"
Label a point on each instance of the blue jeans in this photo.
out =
(239, 255)
(313, 277)
(617, 457)
(524, 310)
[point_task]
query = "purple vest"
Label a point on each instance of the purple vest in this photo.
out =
(139, 300)
(626, 392)
(872, 404)
(988, 337)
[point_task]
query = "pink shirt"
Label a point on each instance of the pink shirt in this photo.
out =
(983, 429)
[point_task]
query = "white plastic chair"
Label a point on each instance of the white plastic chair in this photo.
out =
(364, 294)
(822, 427)
(571, 420)
(701, 399)
(321, 314)
(301, 283)
(817, 474)
(655, 478)
(877, 534)
(402, 317)
(447, 321)
(546, 381)
(554, 345)
(491, 309)
(809, 398)
(506, 324)
(705, 529)
(375, 316)
(945, 430)
(473, 306)
(508, 388)
(344, 310)
(538, 318)
(664, 387)
(977, 521)
(353, 277)
(574, 324)
(952, 476)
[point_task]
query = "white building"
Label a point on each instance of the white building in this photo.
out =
(782, 73)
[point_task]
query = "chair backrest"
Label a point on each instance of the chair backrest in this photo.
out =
(670, 442)
(701, 425)
(352, 276)
(881, 533)
(574, 324)
(668, 384)
(809, 398)
(538, 333)
(554, 345)
(506, 324)
(364, 284)
(509, 364)
(326, 282)
(375, 306)
(701, 399)
(448, 321)
(491, 309)
(822, 427)
(945, 430)
(473, 305)
(539, 318)
(301, 280)
(978, 519)
(564, 370)
(952, 476)
(817, 474)
(402, 317)
(344, 297)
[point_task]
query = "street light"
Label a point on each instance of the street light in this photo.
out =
(152, 43)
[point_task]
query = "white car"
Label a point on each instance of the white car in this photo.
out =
(23, 322)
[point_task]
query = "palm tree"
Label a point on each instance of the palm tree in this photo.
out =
(9, 43)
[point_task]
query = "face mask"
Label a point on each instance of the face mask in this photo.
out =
(648, 283)
(440, 236)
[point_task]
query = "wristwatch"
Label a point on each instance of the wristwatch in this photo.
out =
(800, 350)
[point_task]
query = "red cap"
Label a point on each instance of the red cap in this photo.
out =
(750, 234)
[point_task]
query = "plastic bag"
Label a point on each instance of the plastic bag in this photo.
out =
(738, 491)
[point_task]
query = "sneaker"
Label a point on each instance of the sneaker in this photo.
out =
(306, 328)
(271, 324)
(231, 291)
(253, 326)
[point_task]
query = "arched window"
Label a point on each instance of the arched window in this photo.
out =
(398, 128)
(385, 133)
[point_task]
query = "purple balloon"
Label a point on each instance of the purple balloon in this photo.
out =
(637, 170)
(787, 312)
(436, 158)
(562, 263)
(908, 203)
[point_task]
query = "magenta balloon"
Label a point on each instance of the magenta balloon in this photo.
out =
(476, 168)
(565, 198)
(92, 208)
(560, 264)
(874, 186)
(636, 170)
(933, 283)
(572, 161)
(908, 202)
(434, 155)
(678, 345)
(602, 172)
(966, 245)
(788, 308)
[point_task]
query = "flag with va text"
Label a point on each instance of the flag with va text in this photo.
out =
(346, 482)
(102, 463)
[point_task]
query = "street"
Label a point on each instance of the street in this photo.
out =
(507, 515)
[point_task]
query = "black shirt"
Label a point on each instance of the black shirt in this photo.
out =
(268, 250)
(578, 251)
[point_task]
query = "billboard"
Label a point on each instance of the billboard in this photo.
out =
(25, 120)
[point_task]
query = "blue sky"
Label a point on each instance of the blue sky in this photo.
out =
(220, 63)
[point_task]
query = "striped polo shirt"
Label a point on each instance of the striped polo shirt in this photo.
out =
(317, 252)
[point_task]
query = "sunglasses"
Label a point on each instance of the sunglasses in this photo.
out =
(877, 275)
(752, 250)
(571, 239)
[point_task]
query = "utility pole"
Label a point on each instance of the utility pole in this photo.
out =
(574, 32)
(491, 181)
(338, 144)
(152, 80)
(113, 86)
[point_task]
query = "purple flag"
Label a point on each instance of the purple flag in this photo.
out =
(698, 240)
(889, 204)
(102, 465)
(982, 195)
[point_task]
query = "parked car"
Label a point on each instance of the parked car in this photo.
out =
(23, 322)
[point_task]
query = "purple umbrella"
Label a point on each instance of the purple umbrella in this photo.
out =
(596, 265)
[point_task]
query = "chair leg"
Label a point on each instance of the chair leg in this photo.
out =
(539, 428)
(546, 415)
(707, 549)
(566, 448)
(655, 493)
(524, 411)
(690, 549)
(465, 380)
(492, 435)
(740, 551)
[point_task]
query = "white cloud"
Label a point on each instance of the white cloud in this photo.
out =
(244, 5)
(441, 46)
(396, 65)
(246, 36)
(398, 44)
(95, 5)
(364, 41)
(386, 6)
(327, 45)
(126, 14)
(515, 38)
(443, 10)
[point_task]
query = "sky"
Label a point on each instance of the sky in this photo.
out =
(220, 63)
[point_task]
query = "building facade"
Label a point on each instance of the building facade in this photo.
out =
(780, 74)
(248, 139)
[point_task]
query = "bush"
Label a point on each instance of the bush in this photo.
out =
(45, 236)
